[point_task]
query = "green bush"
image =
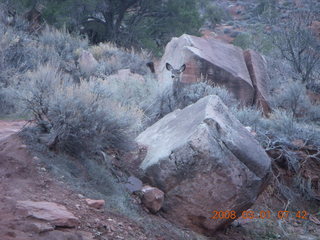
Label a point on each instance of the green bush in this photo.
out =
(21, 52)
(78, 118)
(7, 101)
(189, 94)
(284, 123)
(248, 116)
(62, 41)
(142, 94)
(266, 7)
(111, 59)
(129, 24)
(192, 93)
(17, 54)
(243, 40)
(293, 98)
(215, 14)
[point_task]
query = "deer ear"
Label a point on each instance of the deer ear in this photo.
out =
(150, 65)
(169, 67)
(182, 68)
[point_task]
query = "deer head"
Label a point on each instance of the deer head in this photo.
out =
(175, 73)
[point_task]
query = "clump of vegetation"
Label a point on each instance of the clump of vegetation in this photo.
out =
(108, 112)
(41, 79)
(111, 59)
(257, 39)
(298, 43)
(138, 23)
(266, 7)
(189, 94)
(62, 43)
(194, 92)
(276, 135)
(213, 13)
(293, 98)
(243, 40)
(248, 116)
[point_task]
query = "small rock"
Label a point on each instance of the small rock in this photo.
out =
(87, 63)
(248, 128)
(298, 143)
(152, 198)
(80, 195)
(95, 203)
(23, 146)
(134, 184)
(253, 133)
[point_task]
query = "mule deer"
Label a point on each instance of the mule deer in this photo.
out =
(171, 96)
(175, 75)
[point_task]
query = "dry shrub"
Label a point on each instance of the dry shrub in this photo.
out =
(78, 118)
(111, 59)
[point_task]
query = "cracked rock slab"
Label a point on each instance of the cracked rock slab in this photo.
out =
(53, 213)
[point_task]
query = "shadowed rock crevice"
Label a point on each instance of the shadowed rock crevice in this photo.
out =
(259, 76)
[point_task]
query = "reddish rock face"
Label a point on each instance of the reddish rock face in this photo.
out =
(152, 198)
(218, 63)
(95, 203)
(259, 78)
(209, 60)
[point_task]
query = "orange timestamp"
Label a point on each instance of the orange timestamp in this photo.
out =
(250, 214)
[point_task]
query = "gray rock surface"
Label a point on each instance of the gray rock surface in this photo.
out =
(204, 160)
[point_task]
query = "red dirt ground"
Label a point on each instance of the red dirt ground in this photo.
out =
(23, 177)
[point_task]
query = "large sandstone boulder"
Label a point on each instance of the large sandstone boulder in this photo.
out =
(244, 74)
(216, 62)
(204, 160)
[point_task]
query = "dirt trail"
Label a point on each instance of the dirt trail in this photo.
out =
(8, 128)
(23, 177)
